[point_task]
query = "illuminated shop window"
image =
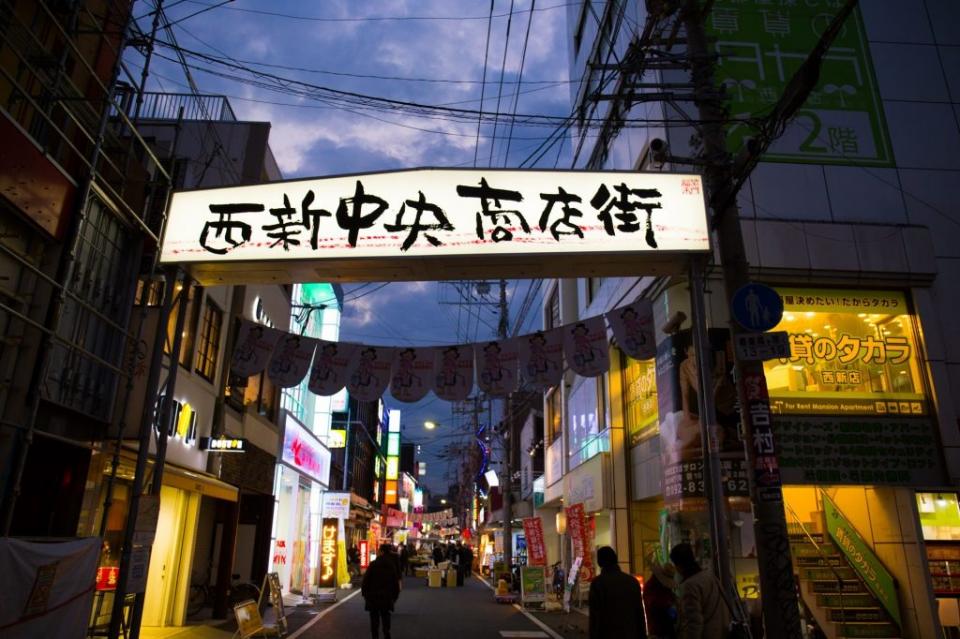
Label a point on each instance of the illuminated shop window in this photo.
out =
(852, 353)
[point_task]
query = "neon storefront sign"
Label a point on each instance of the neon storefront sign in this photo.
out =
(304, 452)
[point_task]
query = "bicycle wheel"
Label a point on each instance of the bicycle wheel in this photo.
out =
(196, 600)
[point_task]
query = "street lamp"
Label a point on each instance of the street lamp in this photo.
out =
(429, 425)
(443, 501)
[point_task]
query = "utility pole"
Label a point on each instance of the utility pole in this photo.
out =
(507, 482)
(781, 616)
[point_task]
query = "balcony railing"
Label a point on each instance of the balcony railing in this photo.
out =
(166, 106)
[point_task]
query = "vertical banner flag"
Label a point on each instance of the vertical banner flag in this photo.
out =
(255, 343)
(632, 326)
(412, 374)
(330, 366)
(580, 535)
(497, 366)
(291, 360)
(585, 347)
(454, 377)
(541, 358)
(536, 550)
(327, 568)
(370, 372)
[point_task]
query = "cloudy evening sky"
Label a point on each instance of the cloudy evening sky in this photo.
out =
(275, 58)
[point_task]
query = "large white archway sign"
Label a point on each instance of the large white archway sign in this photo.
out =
(431, 224)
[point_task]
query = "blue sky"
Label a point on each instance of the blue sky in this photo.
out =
(428, 51)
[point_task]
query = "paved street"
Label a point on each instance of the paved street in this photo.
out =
(466, 613)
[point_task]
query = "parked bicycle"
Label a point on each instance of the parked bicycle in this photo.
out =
(202, 593)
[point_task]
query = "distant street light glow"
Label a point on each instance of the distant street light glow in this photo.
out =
(429, 425)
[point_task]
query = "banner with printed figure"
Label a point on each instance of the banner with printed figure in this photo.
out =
(541, 358)
(255, 344)
(412, 374)
(632, 327)
(497, 366)
(370, 372)
(291, 360)
(454, 372)
(330, 366)
(585, 347)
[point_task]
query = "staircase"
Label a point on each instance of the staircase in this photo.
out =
(831, 589)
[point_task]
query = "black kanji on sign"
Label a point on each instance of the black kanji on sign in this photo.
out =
(420, 206)
(499, 217)
(565, 200)
(225, 226)
(624, 208)
(287, 229)
(350, 214)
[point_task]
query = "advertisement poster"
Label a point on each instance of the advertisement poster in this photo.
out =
(536, 549)
(255, 344)
(533, 586)
(585, 347)
(336, 505)
(678, 388)
(571, 582)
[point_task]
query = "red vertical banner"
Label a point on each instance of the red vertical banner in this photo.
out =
(580, 535)
(536, 550)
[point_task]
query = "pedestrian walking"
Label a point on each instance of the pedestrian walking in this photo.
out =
(660, 602)
(558, 578)
(703, 612)
(616, 603)
(404, 556)
(466, 563)
(380, 589)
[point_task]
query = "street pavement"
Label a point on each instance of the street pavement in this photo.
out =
(468, 612)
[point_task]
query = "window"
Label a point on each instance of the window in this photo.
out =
(554, 420)
(593, 288)
(553, 308)
(149, 292)
(209, 341)
(189, 324)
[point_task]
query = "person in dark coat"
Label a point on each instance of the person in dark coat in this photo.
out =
(438, 554)
(466, 563)
(380, 589)
(616, 604)
(660, 602)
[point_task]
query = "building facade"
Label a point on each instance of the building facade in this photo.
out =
(849, 217)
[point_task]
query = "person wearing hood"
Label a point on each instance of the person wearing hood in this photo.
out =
(616, 604)
(703, 612)
(660, 602)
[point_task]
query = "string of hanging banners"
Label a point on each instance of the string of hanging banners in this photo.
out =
(497, 366)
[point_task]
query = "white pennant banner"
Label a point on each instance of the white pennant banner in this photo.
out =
(370, 372)
(585, 347)
(412, 374)
(255, 344)
(330, 366)
(497, 366)
(454, 373)
(291, 360)
(632, 327)
(541, 358)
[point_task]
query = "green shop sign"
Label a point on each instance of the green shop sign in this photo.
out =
(761, 44)
(533, 586)
(861, 557)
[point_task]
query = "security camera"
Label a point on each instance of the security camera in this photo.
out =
(659, 151)
(674, 323)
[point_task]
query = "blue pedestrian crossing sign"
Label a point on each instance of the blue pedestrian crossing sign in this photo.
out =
(757, 307)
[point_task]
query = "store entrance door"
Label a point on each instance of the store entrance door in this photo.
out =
(168, 581)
